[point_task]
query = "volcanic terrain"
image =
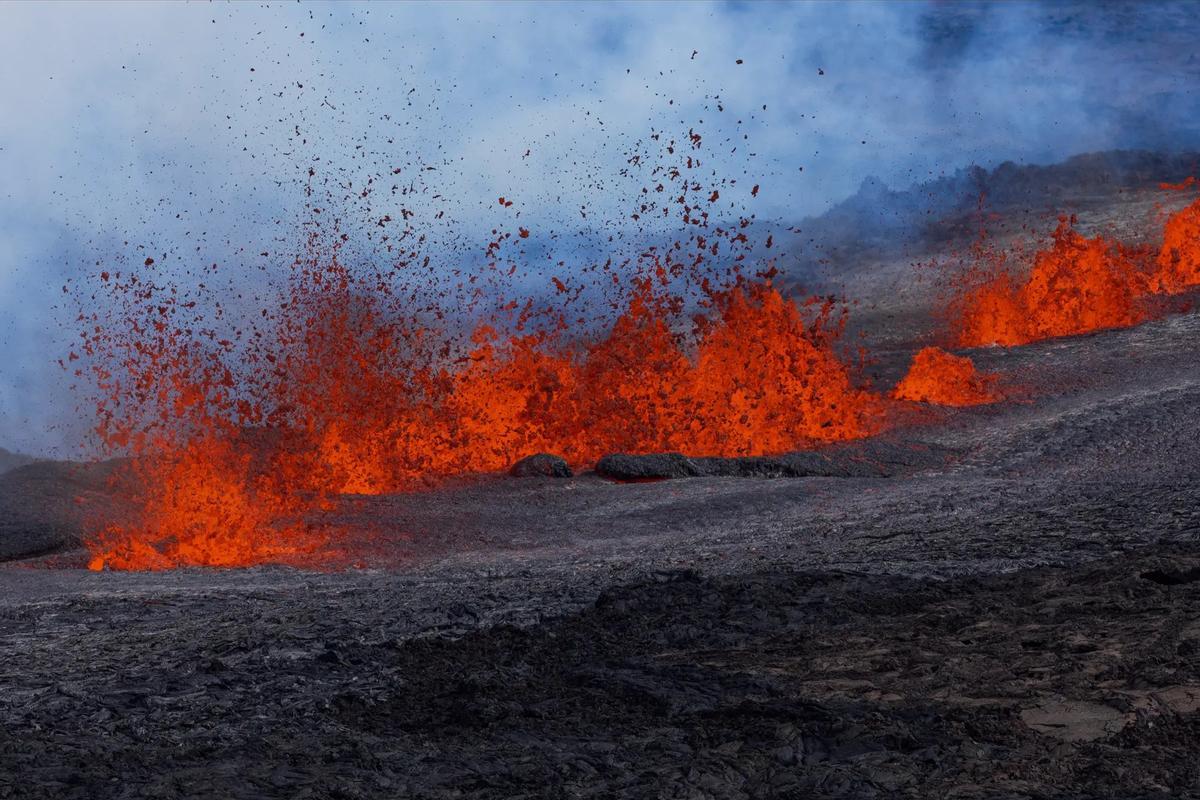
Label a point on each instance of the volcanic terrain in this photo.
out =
(995, 601)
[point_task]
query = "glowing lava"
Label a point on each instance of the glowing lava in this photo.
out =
(1078, 285)
(944, 379)
(203, 504)
(242, 429)
(236, 447)
(1179, 259)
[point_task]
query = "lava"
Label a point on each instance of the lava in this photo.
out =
(362, 406)
(203, 504)
(945, 379)
(1178, 263)
(242, 430)
(1077, 285)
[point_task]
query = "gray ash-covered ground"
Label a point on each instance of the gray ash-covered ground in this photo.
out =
(1001, 605)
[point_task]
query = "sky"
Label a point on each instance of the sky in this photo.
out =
(187, 131)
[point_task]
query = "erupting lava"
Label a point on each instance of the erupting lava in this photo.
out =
(936, 376)
(242, 428)
(360, 381)
(359, 404)
(204, 504)
(1078, 285)
(1179, 259)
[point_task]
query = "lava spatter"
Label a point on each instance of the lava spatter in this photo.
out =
(945, 379)
(1077, 285)
(365, 380)
(1178, 262)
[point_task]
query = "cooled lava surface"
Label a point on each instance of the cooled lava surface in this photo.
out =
(985, 600)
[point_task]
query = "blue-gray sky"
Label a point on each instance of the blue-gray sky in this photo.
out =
(187, 129)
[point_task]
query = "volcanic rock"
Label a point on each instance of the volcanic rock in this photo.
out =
(866, 459)
(788, 465)
(541, 465)
(41, 502)
(626, 467)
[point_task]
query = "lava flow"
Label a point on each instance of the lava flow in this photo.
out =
(1077, 285)
(242, 431)
(1178, 264)
(360, 405)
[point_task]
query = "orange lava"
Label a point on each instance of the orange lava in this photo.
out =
(944, 379)
(1078, 285)
(242, 429)
(1179, 259)
(204, 505)
(760, 376)
(237, 448)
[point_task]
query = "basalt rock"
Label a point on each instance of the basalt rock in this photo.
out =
(626, 467)
(866, 459)
(541, 465)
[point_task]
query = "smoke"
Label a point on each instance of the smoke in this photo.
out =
(185, 133)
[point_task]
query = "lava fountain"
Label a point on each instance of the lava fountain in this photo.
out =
(945, 379)
(1077, 285)
(240, 430)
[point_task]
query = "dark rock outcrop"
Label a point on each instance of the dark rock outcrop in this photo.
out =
(865, 459)
(42, 505)
(542, 465)
(626, 467)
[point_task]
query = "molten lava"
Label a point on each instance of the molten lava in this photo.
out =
(242, 429)
(203, 504)
(237, 445)
(944, 379)
(1078, 285)
(1179, 259)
